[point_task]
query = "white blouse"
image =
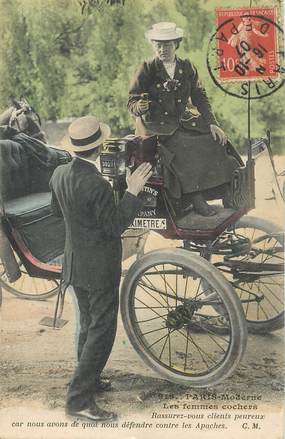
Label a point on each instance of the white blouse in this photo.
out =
(170, 68)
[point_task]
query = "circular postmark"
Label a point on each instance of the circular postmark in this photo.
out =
(246, 53)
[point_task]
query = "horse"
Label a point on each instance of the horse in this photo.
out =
(23, 118)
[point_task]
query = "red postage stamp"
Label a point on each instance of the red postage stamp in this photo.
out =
(246, 43)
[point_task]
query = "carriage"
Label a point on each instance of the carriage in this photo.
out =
(187, 310)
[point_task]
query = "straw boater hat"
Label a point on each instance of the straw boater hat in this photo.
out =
(164, 31)
(85, 133)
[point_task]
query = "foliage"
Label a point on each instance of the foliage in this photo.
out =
(89, 5)
(73, 57)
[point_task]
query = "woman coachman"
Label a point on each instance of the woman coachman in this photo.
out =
(198, 161)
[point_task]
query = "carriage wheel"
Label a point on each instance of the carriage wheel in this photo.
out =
(27, 287)
(173, 303)
(266, 313)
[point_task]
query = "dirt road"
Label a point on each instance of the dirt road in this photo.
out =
(37, 364)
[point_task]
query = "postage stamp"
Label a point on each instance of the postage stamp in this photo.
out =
(247, 43)
(248, 46)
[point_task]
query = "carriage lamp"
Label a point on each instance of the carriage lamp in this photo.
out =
(113, 158)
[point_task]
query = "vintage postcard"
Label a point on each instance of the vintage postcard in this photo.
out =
(152, 133)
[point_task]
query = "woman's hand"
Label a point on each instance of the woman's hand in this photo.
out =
(138, 178)
(219, 134)
(142, 106)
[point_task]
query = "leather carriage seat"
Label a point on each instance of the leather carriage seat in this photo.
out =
(42, 232)
(26, 168)
(28, 209)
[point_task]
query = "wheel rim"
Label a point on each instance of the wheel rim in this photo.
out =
(175, 315)
(28, 287)
(261, 296)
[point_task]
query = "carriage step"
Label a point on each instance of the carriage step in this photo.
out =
(50, 322)
(194, 221)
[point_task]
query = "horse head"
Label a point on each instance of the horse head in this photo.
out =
(23, 118)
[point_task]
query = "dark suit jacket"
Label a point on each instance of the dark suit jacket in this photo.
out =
(167, 108)
(94, 224)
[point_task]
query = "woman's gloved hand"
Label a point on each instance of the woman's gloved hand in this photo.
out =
(218, 134)
(142, 106)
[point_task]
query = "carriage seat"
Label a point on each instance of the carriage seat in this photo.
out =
(29, 208)
(42, 233)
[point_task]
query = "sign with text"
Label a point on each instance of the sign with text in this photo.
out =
(149, 223)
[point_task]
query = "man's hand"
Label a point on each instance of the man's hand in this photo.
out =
(138, 178)
(217, 132)
(142, 106)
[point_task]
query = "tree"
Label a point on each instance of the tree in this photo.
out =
(34, 56)
(89, 5)
(74, 57)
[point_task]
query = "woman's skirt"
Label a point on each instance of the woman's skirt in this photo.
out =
(194, 163)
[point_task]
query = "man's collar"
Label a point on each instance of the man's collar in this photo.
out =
(95, 163)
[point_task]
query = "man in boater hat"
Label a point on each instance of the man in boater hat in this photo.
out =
(92, 256)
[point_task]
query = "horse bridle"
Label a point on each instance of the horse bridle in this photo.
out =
(23, 108)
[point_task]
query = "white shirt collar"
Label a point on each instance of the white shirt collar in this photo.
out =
(170, 68)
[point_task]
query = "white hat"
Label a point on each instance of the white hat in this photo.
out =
(164, 31)
(85, 133)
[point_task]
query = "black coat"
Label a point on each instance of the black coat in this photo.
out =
(26, 164)
(168, 108)
(94, 224)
